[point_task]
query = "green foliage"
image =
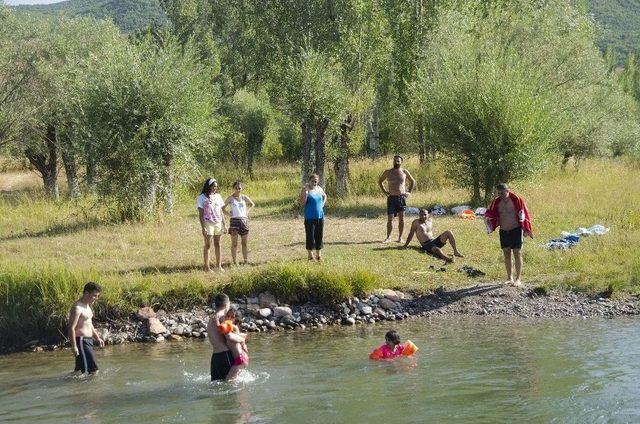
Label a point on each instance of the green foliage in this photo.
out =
(147, 108)
(620, 25)
(128, 15)
(291, 281)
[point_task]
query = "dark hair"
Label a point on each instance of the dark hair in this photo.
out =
(398, 156)
(502, 186)
(220, 300)
(237, 313)
(91, 287)
(313, 175)
(207, 186)
(393, 337)
(424, 209)
(236, 183)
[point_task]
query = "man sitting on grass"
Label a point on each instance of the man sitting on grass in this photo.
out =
(423, 229)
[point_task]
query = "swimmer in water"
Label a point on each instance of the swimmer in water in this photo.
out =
(238, 349)
(392, 348)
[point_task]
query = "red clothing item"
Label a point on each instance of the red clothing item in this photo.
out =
(522, 214)
(385, 352)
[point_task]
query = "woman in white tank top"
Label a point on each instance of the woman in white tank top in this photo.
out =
(240, 205)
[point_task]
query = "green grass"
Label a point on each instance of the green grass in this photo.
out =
(47, 250)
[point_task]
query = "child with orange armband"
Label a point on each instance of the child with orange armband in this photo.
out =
(238, 350)
(392, 348)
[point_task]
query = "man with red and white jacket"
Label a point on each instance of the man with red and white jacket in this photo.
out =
(509, 212)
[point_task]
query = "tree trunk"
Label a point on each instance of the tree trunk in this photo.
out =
(374, 132)
(47, 164)
(341, 165)
(70, 167)
(306, 151)
(90, 176)
(422, 145)
(149, 195)
(167, 178)
(321, 128)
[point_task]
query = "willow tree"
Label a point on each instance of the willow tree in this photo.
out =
(146, 108)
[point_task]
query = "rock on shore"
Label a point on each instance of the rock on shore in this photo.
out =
(265, 312)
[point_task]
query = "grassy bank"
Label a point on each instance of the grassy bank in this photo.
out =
(48, 251)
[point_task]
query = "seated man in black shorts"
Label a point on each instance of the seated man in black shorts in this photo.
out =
(423, 229)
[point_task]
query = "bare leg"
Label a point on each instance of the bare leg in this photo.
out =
(318, 255)
(216, 246)
(507, 264)
(233, 372)
(234, 247)
(447, 236)
(440, 254)
(517, 259)
(400, 225)
(389, 227)
(310, 254)
(245, 248)
(206, 253)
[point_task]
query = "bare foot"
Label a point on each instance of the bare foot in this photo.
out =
(449, 260)
(319, 259)
(310, 258)
(208, 270)
(386, 240)
(220, 269)
(400, 240)
(517, 283)
(458, 254)
(509, 282)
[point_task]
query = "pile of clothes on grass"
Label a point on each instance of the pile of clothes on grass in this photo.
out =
(569, 240)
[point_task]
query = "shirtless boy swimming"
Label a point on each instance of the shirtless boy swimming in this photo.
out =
(82, 331)
(423, 229)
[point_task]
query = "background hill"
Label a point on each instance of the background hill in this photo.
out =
(620, 20)
(129, 15)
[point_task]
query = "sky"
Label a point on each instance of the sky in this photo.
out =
(14, 2)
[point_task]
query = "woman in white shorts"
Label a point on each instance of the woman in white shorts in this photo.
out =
(210, 205)
(239, 225)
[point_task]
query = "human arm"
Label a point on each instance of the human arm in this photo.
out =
(302, 198)
(381, 181)
(236, 337)
(201, 216)
(74, 316)
(224, 207)
(250, 203)
(324, 198)
(96, 335)
(410, 236)
(411, 180)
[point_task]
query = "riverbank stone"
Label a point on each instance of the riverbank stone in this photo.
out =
(155, 326)
(281, 311)
(145, 313)
(386, 303)
(267, 300)
(265, 312)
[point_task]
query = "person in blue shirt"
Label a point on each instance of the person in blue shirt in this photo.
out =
(313, 198)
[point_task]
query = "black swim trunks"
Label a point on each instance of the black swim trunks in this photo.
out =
(511, 239)
(220, 365)
(430, 244)
(86, 359)
(396, 204)
(239, 225)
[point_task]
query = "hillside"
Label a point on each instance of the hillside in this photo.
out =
(620, 21)
(129, 15)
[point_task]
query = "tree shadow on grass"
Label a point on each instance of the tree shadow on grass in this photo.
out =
(56, 230)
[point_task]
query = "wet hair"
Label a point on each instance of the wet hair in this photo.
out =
(220, 300)
(393, 337)
(234, 312)
(314, 175)
(236, 183)
(502, 186)
(91, 287)
(207, 186)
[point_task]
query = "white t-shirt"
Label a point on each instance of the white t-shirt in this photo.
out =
(212, 206)
(238, 206)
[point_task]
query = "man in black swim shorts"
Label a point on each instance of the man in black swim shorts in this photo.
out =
(423, 229)
(221, 359)
(82, 332)
(396, 194)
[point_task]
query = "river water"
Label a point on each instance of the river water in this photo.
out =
(483, 370)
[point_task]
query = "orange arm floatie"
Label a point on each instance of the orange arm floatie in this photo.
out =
(226, 327)
(409, 348)
(376, 354)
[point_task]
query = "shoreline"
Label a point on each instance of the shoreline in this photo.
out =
(264, 313)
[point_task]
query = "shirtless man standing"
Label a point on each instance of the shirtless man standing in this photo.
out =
(423, 229)
(509, 212)
(396, 194)
(222, 359)
(82, 332)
